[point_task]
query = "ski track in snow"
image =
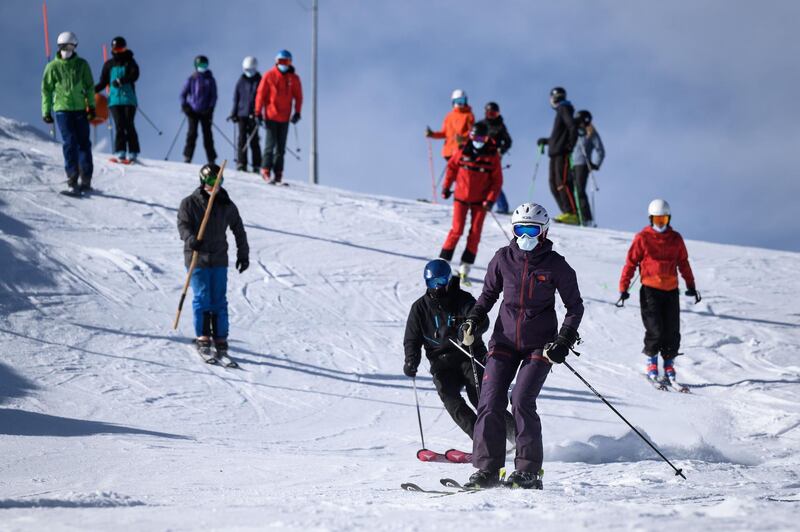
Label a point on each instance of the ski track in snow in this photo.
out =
(109, 419)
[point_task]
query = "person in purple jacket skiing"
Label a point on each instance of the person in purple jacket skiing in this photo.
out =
(528, 273)
(198, 98)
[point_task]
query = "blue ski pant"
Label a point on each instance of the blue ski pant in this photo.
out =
(77, 146)
(209, 301)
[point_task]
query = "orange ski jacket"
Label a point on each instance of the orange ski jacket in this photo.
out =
(275, 94)
(658, 256)
(455, 129)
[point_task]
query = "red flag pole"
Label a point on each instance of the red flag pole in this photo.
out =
(46, 31)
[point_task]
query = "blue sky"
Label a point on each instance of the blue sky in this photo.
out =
(695, 101)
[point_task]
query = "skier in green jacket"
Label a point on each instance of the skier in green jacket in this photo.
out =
(68, 90)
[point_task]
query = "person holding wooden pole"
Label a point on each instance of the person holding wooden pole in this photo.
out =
(203, 218)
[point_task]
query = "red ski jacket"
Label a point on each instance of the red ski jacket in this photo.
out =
(455, 129)
(477, 173)
(275, 94)
(658, 256)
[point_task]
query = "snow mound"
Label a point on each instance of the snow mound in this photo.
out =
(104, 499)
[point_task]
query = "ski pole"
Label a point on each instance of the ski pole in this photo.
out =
(293, 153)
(176, 138)
(441, 175)
(148, 120)
(223, 135)
(595, 188)
(536, 170)
(296, 141)
(475, 360)
(433, 172)
(419, 416)
(52, 127)
(200, 235)
(621, 302)
(500, 225)
(677, 471)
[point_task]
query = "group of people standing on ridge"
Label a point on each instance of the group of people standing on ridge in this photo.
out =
(68, 91)
(473, 153)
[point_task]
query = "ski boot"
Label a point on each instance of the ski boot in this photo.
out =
(203, 346)
(669, 368)
(463, 274)
(265, 174)
(133, 157)
(241, 167)
(221, 348)
(652, 367)
(525, 480)
(482, 479)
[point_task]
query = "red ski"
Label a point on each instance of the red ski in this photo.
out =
(426, 455)
(453, 456)
(120, 161)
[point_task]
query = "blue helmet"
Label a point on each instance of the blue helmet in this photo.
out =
(437, 273)
(284, 54)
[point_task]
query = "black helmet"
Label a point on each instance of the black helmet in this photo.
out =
(558, 94)
(492, 106)
(480, 129)
(118, 42)
(208, 174)
(583, 117)
(200, 59)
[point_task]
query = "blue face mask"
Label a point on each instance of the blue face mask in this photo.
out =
(478, 145)
(202, 68)
(249, 73)
(283, 68)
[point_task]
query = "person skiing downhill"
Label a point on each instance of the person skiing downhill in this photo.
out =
(589, 142)
(560, 144)
(68, 90)
(528, 273)
(209, 279)
(120, 74)
(478, 177)
(198, 99)
(499, 134)
(433, 321)
(658, 251)
(244, 114)
(456, 125)
(279, 87)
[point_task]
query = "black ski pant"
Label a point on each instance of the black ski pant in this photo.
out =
(580, 175)
(205, 122)
(559, 182)
(661, 319)
(248, 126)
(125, 136)
(489, 442)
(275, 147)
(449, 382)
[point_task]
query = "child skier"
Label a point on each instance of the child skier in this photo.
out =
(210, 276)
(659, 253)
(120, 74)
(456, 125)
(434, 320)
(478, 176)
(528, 273)
(589, 142)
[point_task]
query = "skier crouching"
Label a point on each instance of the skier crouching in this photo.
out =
(210, 277)
(528, 273)
(659, 252)
(434, 320)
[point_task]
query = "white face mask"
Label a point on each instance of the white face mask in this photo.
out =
(66, 53)
(202, 69)
(527, 243)
(283, 68)
(478, 145)
(249, 73)
(660, 229)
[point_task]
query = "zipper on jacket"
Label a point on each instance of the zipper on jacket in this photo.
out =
(521, 303)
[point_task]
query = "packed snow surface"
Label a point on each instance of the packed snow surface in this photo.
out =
(109, 420)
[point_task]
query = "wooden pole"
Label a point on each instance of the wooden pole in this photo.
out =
(200, 234)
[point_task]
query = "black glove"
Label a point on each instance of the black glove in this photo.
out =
(692, 292)
(196, 245)
(90, 114)
(488, 205)
(446, 193)
(233, 118)
(295, 118)
(409, 370)
(428, 132)
(117, 82)
(594, 166)
(543, 141)
(624, 296)
(187, 109)
(242, 264)
(260, 120)
(557, 350)
(48, 118)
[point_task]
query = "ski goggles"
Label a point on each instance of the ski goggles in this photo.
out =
(211, 180)
(492, 114)
(437, 282)
(68, 46)
(528, 230)
(480, 138)
(660, 220)
(118, 50)
(460, 101)
(283, 61)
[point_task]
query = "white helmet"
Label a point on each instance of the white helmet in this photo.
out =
(458, 93)
(530, 214)
(658, 207)
(67, 37)
(250, 63)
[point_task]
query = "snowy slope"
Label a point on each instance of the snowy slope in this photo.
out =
(108, 419)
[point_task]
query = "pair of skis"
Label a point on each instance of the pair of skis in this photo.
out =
(666, 384)
(446, 482)
(452, 456)
(218, 358)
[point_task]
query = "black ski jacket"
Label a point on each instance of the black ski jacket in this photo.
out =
(224, 214)
(565, 132)
(499, 132)
(433, 321)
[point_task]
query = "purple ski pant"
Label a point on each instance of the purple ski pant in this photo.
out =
(489, 438)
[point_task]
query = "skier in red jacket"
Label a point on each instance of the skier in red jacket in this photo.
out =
(478, 176)
(659, 253)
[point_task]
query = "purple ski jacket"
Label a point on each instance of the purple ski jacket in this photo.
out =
(200, 92)
(528, 280)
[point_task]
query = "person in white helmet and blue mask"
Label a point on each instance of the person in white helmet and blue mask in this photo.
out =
(244, 115)
(525, 343)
